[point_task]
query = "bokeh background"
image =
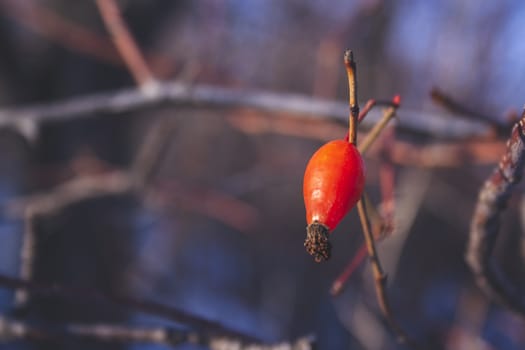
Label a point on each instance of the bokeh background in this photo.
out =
(226, 243)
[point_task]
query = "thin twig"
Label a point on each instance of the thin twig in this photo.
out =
(141, 305)
(492, 200)
(351, 73)
(342, 279)
(53, 27)
(379, 227)
(125, 43)
(367, 108)
(373, 134)
(362, 114)
(75, 190)
(454, 106)
(379, 275)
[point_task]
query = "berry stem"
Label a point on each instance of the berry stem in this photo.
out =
(352, 87)
(380, 277)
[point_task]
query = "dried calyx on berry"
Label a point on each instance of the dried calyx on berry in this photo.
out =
(317, 243)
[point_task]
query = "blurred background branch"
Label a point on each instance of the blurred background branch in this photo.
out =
(486, 223)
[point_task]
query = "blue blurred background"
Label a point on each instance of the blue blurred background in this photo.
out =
(248, 269)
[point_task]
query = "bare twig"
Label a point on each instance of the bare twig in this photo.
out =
(53, 27)
(367, 108)
(485, 224)
(27, 255)
(140, 305)
(11, 330)
(342, 279)
(376, 130)
(430, 155)
(181, 94)
(363, 113)
(444, 155)
(380, 225)
(304, 343)
(75, 190)
(351, 73)
(379, 275)
(174, 337)
(454, 106)
(125, 43)
(73, 36)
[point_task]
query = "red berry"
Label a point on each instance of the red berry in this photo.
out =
(333, 183)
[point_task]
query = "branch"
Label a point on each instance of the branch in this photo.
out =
(181, 94)
(49, 25)
(60, 30)
(372, 136)
(125, 44)
(440, 97)
(75, 190)
(380, 276)
(484, 228)
(435, 154)
(140, 305)
(11, 330)
(351, 72)
(27, 256)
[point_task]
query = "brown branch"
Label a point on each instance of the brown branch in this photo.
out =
(381, 225)
(441, 98)
(57, 29)
(367, 108)
(140, 305)
(379, 275)
(351, 72)
(485, 225)
(125, 43)
(74, 37)
(445, 155)
(388, 114)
